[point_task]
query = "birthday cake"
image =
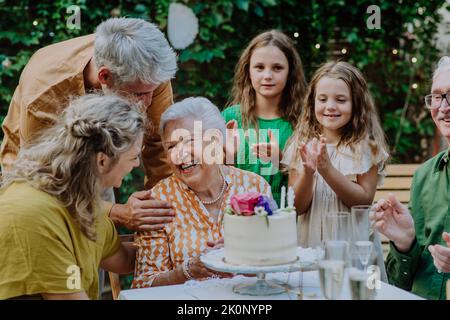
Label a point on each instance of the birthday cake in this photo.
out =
(257, 233)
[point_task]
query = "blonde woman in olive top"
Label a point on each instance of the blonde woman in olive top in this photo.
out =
(54, 228)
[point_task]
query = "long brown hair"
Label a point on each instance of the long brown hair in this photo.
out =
(293, 93)
(364, 123)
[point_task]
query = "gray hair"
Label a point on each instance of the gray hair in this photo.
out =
(134, 49)
(62, 161)
(196, 108)
(443, 65)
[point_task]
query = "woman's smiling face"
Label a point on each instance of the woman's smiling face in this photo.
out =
(185, 151)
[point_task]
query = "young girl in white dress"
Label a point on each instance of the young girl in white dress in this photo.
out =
(336, 156)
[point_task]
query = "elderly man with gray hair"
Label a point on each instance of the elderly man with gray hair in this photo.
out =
(128, 56)
(419, 259)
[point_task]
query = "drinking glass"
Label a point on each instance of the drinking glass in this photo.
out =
(360, 224)
(359, 285)
(331, 275)
(363, 251)
(337, 226)
(336, 250)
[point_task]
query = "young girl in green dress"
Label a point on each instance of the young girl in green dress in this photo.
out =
(269, 86)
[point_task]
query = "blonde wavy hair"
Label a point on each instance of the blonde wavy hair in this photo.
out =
(62, 160)
(364, 122)
(294, 91)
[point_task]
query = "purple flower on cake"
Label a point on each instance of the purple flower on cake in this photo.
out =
(244, 204)
(268, 204)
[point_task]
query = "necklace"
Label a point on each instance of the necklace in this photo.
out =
(224, 185)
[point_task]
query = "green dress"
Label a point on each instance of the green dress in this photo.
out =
(281, 130)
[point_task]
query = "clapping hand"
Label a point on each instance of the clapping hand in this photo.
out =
(315, 156)
(441, 254)
(232, 141)
(267, 151)
(393, 219)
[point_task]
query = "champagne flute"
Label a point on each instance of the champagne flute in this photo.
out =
(364, 252)
(359, 286)
(331, 275)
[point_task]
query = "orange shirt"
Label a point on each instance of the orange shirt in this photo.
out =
(187, 236)
(53, 75)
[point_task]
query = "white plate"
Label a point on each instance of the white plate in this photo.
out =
(306, 261)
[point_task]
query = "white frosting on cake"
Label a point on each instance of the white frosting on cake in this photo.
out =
(250, 240)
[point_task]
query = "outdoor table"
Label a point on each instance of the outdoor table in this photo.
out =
(221, 289)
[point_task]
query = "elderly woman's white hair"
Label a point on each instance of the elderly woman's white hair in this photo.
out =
(134, 49)
(195, 108)
(443, 65)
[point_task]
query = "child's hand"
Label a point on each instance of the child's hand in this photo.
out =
(323, 160)
(232, 141)
(309, 155)
(268, 151)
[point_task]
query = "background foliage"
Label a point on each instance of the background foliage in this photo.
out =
(206, 67)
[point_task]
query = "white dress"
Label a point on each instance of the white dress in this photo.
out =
(311, 224)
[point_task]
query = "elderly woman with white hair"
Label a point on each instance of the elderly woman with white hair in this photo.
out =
(419, 257)
(199, 189)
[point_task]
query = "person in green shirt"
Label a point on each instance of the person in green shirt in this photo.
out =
(269, 85)
(419, 257)
(54, 227)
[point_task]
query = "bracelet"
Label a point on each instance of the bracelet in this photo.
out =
(186, 270)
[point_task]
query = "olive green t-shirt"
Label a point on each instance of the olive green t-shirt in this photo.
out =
(245, 160)
(42, 248)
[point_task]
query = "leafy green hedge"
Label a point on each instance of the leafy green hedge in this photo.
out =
(206, 67)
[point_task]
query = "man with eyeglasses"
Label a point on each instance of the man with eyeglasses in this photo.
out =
(419, 257)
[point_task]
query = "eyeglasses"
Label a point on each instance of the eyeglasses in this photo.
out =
(434, 100)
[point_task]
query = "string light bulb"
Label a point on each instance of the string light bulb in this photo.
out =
(344, 51)
(296, 35)
(317, 46)
(413, 59)
(415, 86)
(394, 51)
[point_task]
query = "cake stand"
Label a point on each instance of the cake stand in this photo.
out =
(215, 260)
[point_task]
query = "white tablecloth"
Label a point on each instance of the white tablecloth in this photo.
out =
(221, 289)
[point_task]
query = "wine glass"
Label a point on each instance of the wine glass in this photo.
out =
(360, 224)
(364, 251)
(331, 275)
(331, 268)
(337, 226)
(359, 285)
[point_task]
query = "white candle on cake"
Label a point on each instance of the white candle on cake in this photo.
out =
(290, 197)
(283, 197)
